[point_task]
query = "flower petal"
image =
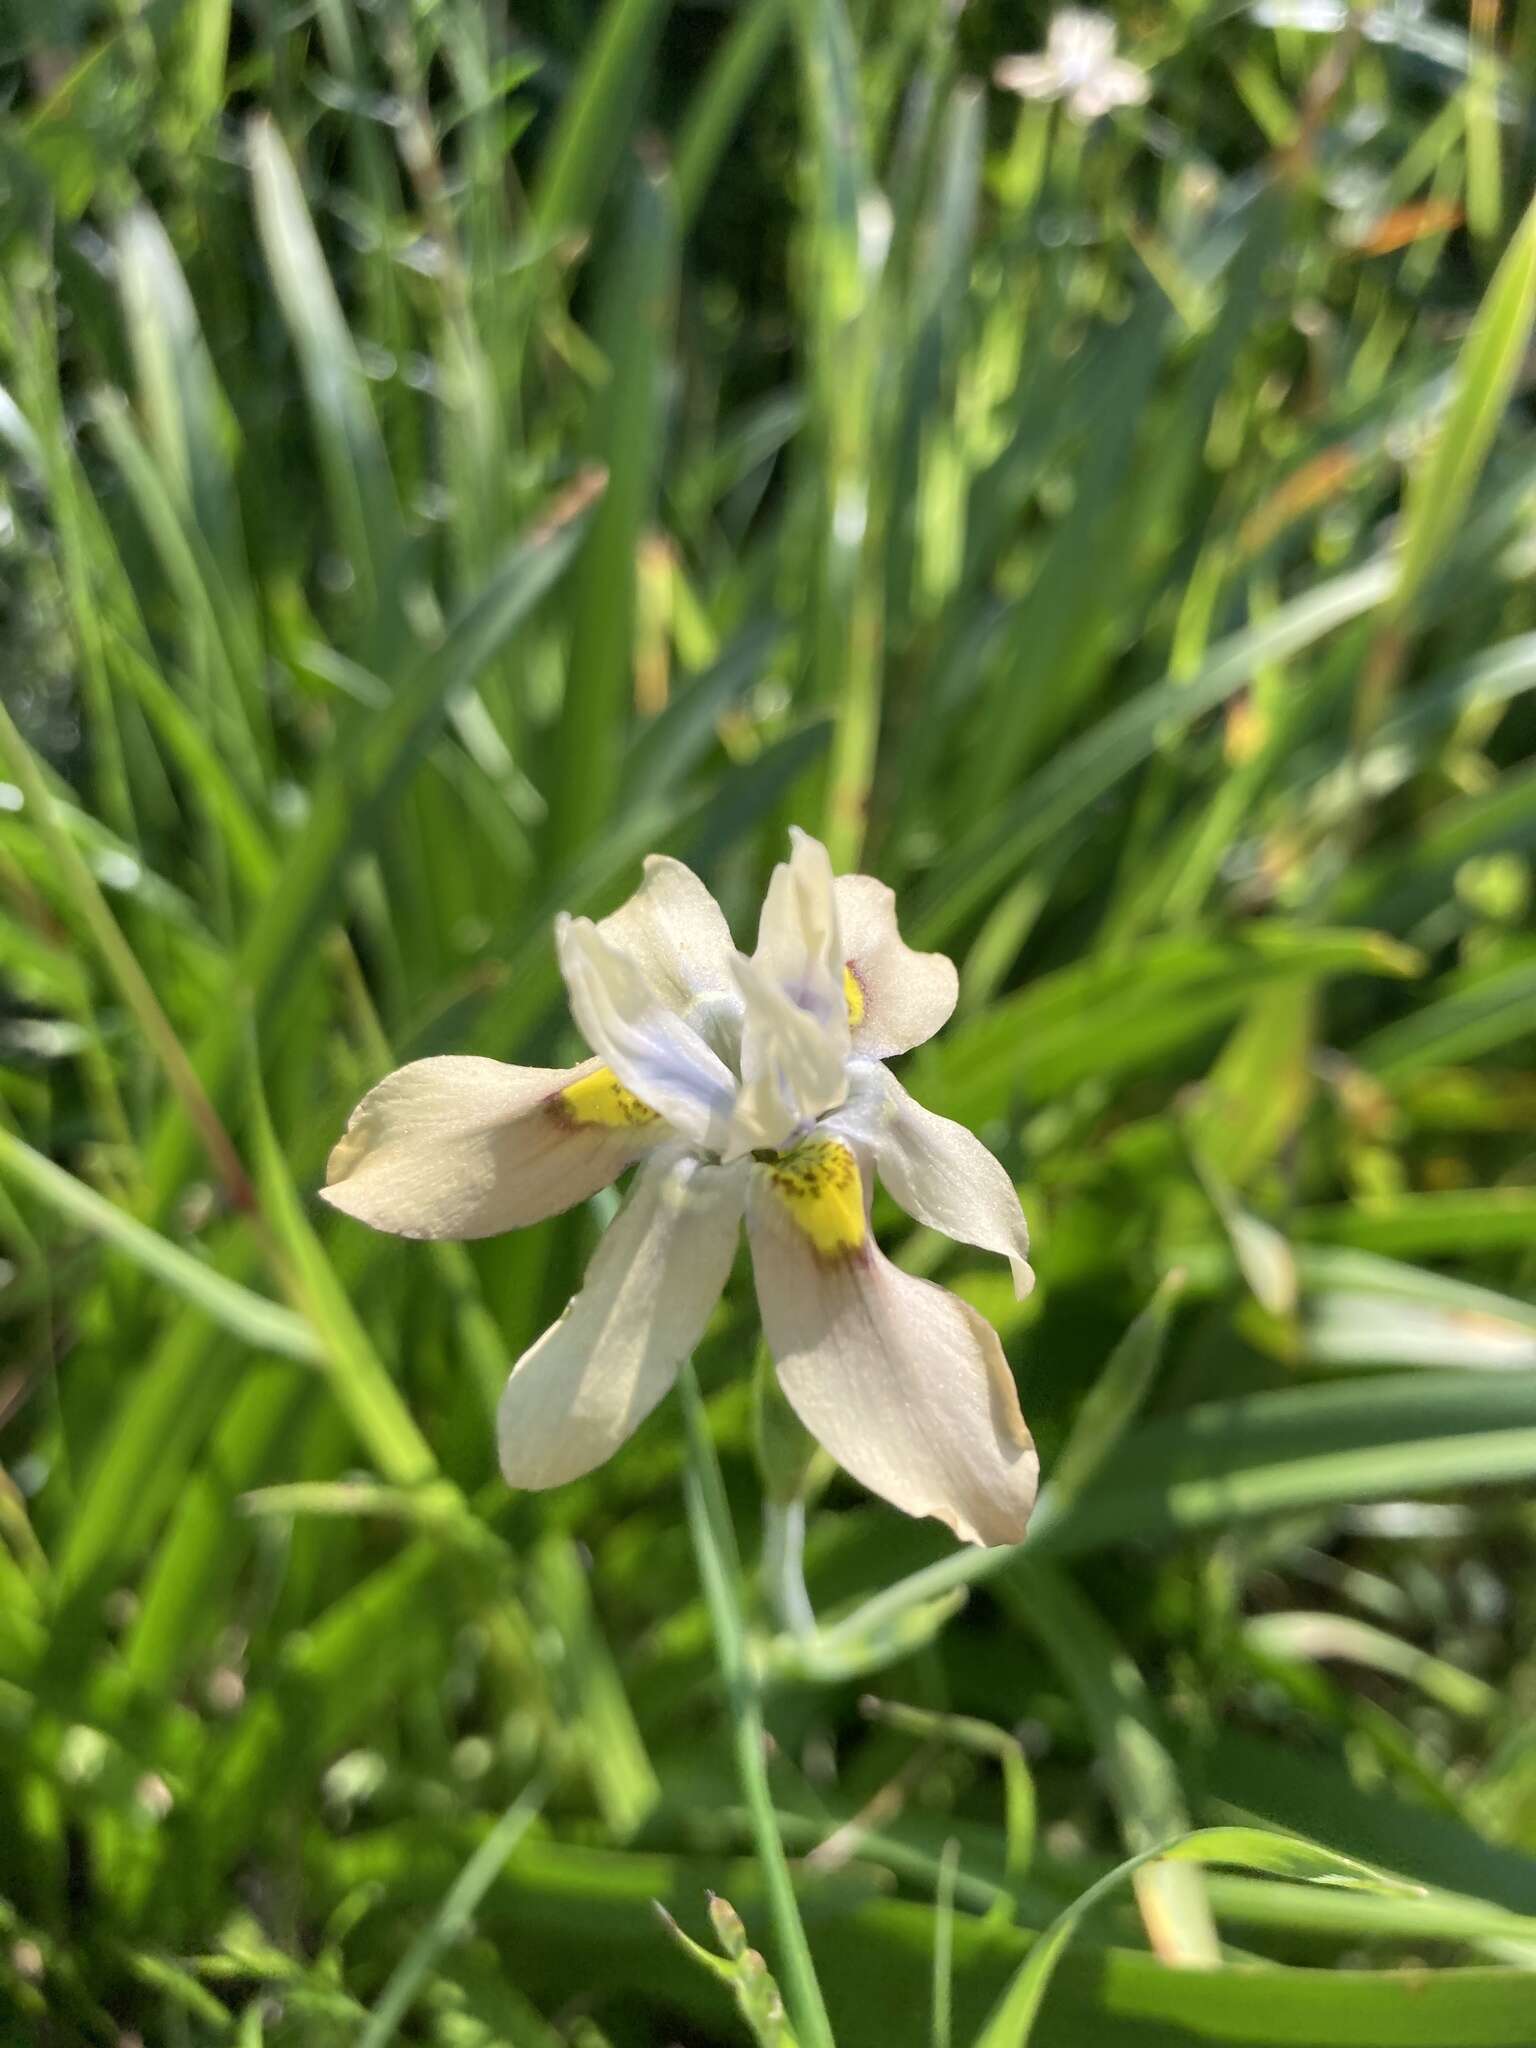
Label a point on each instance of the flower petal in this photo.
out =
(1033, 78)
(1080, 39)
(901, 998)
(904, 1384)
(792, 1067)
(939, 1172)
(464, 1147)
(799, 940)
(1118, 84)
(673, 930)
(594, 1376)
(654, 1053)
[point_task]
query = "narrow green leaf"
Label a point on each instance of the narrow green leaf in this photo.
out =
(595, 120)
(1143, 1778)
(357, 473)
(1441, 483)
(354, 798)
(452, 1919)
(721, 97)
(998, 846)
(260, 1323)
(1012, 2020)
(361, 1383)
(634, 328)
(1115, 1399)
(1493, 1011)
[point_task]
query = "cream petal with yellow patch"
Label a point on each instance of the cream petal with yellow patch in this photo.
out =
(591, 1379)
(462, 1147)
(657, 1056)
(903, 1383)
(903, 997)
(673, 930)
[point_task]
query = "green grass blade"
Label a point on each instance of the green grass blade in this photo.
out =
(634, 327)
(359, 482)
(1012, 2022)
(714, 1543)
(262, 1324)
(1441, 483)
(594, 120)
(452, 1919)
(1115, 1399)
(1122, 1722)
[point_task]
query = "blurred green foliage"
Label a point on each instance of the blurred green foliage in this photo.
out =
(446, 454)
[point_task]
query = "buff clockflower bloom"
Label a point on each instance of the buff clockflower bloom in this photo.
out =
(740, 1088)
(1078, 66)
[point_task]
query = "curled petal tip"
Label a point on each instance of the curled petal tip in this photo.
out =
(1023, 1276)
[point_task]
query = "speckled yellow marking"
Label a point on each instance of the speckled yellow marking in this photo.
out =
(602, 1098)
(818, 1183)
(853, 995)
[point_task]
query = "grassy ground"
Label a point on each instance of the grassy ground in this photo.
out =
(1122, 541)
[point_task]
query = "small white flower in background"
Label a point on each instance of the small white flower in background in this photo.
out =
(1079, 66)
(742, 1087)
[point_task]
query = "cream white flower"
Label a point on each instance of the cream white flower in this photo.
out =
(1079, 66)
(739, 1087)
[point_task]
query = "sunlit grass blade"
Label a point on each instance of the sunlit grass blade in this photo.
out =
(714, 1544)
(1115, 1399)
(634, 329)
(1086, 768)
(721, 97)
(594, 120)
(262, 1324)
(1012, 2022)
(352, 799)
(1441, 484)
(1307, 1636)
(1488, 1014)
(451, 1920)
(1122, 1722)
(363, 501)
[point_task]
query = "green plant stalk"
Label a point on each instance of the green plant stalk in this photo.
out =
(257, 1321)
(852, 221)
(784, 1566)
(1291, 1856)
(119, 959)
(453, 1917)
(721, 99)
(942, 2030)
(719, 1571)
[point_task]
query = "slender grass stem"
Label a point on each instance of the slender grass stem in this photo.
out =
(720, 1574)
(90, 906)
(784, 1566)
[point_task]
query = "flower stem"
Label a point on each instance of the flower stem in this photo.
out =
(714, 1544)
(784, 1566)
